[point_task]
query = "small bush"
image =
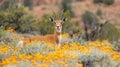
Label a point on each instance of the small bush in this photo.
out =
(2, 18)
(89, 18)
(99, 12)
(80, 0)
(66, 5)
(1, 32)
(91, 23)
(107, 2)
(110, 32)
(28, 3)
(97, 1)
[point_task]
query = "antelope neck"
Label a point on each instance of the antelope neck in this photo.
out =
(58, 36)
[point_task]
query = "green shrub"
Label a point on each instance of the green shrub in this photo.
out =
(99, 13)
(1, 32)
(17, 18)
(28, 3)
(108, 2)
(6, 4)
(80, 0)
(66, 5)
(91, 23)
(37, 4)
(92, 26)
(2, 17)
(89, 18)
(97, 1)
(110, 32)
(26, 23)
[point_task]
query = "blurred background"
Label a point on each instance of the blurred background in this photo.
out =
(32, 17)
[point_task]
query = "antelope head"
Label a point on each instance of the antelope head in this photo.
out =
(58, 22)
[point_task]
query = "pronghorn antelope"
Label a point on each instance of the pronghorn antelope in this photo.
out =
(52, 38)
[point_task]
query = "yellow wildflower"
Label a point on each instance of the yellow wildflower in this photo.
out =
(42, 65)
(21, 56)
(29, 57)
(13, 60)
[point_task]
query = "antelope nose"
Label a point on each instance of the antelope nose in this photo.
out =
(58, 26)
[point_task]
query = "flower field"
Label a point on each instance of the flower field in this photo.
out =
(69, 54)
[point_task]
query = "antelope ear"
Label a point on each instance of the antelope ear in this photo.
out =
(64, 19)
(51, 19)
